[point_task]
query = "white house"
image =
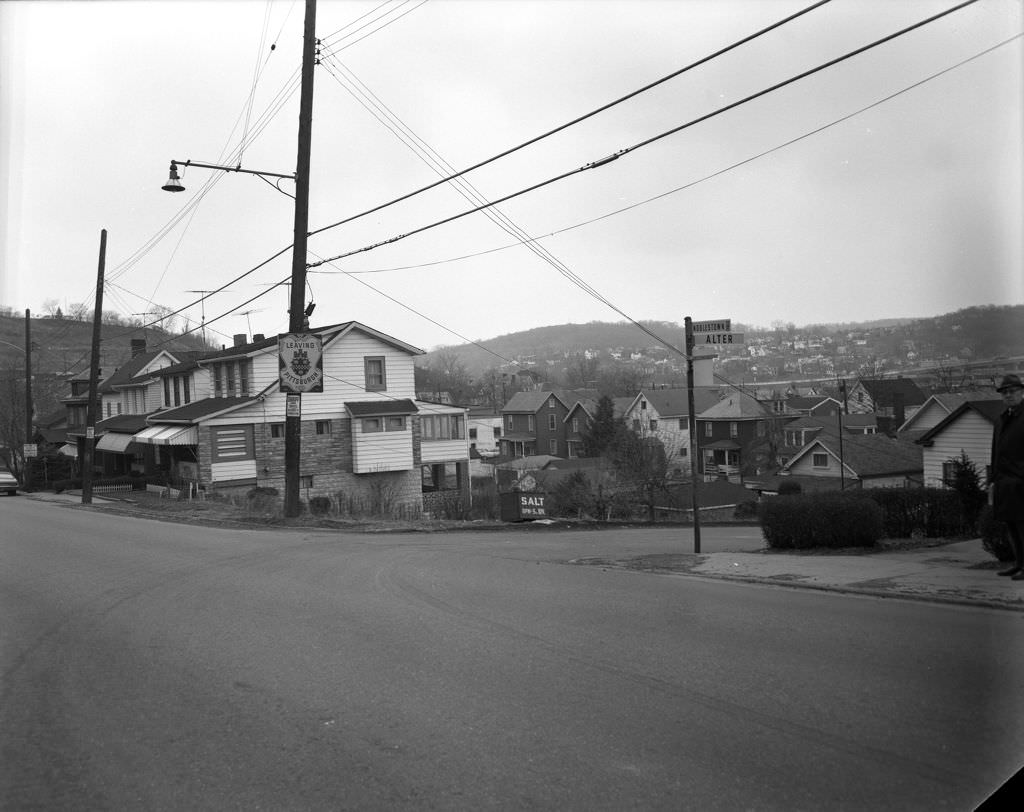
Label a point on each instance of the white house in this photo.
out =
(965, 430)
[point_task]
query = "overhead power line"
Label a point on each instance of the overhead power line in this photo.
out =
(579, 119)
(647, 142)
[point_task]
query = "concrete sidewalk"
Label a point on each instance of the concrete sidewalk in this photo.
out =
(962, 572)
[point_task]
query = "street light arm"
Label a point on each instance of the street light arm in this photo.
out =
(175, 162)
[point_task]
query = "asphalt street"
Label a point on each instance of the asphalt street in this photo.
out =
(148, 665)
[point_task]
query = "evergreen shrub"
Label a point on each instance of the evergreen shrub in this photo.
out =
(829, 520)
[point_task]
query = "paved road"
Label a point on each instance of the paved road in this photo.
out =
(152, 666)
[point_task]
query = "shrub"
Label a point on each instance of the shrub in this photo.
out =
(263, 502)
(993, 536)
(788, 487)
(746, 510)
(572, 496)
(830, 520)
(320, 505)
(928, 512)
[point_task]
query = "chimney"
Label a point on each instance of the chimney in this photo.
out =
(240, 340)
(258, 337)
(138, 346)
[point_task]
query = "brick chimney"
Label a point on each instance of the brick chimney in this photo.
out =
(240, 340)
(258, 337)
(138, 346)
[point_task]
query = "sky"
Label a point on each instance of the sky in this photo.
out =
(888, 185)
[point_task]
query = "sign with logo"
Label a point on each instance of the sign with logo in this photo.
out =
(705, 339)
(300, 362)
(717, 326)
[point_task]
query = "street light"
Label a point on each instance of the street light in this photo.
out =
(297, 312)
(174, 183)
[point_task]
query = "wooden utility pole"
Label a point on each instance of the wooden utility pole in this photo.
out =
(297, 310)
(94, 378)
(26, 474)
(692, 425)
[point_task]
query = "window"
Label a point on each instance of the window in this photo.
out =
(277, 430)
(306, 481)
(643, 405)
(372, 424)
(682, 423)
(529, 423)
(376, 374)
(177, 390)
(443, 427)
(654, 425)
(497, 432)
(551, 422)
(734, 429)
(684, 452)
(243, 379)
(553, 447)
(636, 425)
(576, 425)
(760, 428)
(947, 473)
(167, 391)
(819, 460)
(395, 423)
(508, 423)
(323, 426)
(551, 403)
(707, 430)
(472, 434)
(218, 384)
(229, 378)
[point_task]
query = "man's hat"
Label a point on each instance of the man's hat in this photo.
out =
(1010, 381)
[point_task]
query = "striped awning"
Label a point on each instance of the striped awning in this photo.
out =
(168, 435)
(115, 442)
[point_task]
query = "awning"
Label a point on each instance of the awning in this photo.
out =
(168, 435)
(68, 450)
(722, 445)
(112, 441)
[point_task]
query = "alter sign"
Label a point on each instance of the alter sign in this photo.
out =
(719, 339)
(300, 362)
(718, 326)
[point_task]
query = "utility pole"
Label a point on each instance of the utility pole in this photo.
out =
(27, 472)
(296, 313)
(94, 376)
(692, 425)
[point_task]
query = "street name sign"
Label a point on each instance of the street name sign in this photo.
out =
(714, 326)
(718, 339)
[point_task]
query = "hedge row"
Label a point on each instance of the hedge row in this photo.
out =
(820, 520)
(928, 512)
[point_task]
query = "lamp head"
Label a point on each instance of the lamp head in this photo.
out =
(173, 182)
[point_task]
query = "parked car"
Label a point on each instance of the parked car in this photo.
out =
(8, 484)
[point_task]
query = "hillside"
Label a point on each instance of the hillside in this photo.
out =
(64, 346)
(976, 332)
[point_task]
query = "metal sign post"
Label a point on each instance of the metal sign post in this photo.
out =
(692, 424)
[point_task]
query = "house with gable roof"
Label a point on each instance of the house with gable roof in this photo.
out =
(866, 461)
(893, 400)
(965, 430)
(534, 423)
(664, 414)
(736, 437)
(365, 438)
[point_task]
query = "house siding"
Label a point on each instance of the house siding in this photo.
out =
(970, 433)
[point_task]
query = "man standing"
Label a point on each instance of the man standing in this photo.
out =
(1007, 472)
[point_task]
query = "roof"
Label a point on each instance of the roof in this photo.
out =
(670, 403)
(987, 408)
(868, 455)
(800, 403)
(200, 410)
(374, 408)
(124, 373)
(532, 463)
(886, 390)
(530, 402)
(329, 333)
(122, 422)
(735, 406)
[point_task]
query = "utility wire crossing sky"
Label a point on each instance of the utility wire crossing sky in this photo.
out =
(768, 182)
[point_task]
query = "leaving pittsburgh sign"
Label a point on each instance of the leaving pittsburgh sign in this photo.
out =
(301, 362)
